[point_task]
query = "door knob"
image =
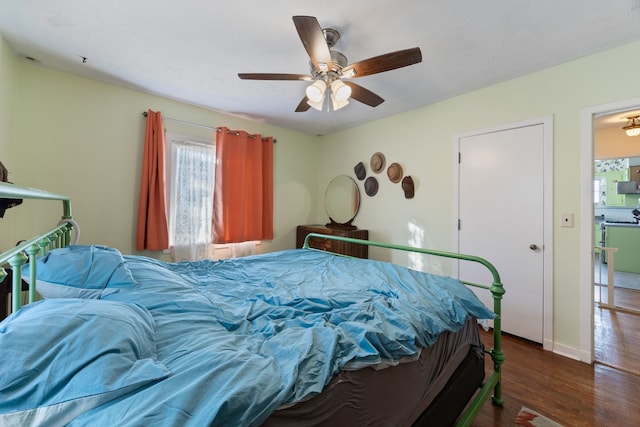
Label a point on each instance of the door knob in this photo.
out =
(533, 246)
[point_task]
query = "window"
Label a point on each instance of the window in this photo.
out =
(190, 169)
(190, 176)
(598, 188)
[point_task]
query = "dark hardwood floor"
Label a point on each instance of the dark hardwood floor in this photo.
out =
(617, 340)
(617, 332)
(570, 392)
(624, 298)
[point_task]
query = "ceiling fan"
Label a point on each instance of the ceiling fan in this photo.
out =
(330, 71)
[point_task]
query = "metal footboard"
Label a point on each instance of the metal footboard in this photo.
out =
(492, 385)
(27, 251)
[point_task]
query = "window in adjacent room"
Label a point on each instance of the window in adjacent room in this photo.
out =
(598, 188)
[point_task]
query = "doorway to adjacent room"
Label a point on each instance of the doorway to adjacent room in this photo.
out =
(610, 290)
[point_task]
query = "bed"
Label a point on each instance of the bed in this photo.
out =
(290, 338)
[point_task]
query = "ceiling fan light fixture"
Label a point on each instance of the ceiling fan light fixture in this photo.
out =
(318, 105)
(340, 91)
(349, 73)
(632, 128)
(315, 91)
(338, 104)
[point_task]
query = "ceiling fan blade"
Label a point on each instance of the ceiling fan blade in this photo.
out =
(274, 76)
(314, 42)
(303, 106)
(386, 62)
(364, 95)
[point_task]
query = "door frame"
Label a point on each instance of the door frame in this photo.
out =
(547, 219)
(587, 214)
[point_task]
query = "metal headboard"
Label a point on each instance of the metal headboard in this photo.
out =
(27, 251)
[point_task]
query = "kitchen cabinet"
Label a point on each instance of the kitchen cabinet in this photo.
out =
(611, 196)
(627, 240)
(633, 200)
(344, 248)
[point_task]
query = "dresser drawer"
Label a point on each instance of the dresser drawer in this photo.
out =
(344, 248)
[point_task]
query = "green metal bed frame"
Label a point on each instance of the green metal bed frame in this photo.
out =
(60, 236)
(19, 255)
(492, 384)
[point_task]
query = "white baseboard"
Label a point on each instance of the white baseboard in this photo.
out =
(572, 353)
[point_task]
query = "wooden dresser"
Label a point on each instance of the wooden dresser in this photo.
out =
(344, 248)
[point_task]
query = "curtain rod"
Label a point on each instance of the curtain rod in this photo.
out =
(218, 129)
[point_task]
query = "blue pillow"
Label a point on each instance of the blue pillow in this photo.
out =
(62, 357)
(81, 271)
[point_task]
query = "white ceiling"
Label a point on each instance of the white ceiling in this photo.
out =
(192, 50)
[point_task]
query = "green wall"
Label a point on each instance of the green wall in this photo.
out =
(422, 141)
(7, 79)
(6, 95)
(84, 138)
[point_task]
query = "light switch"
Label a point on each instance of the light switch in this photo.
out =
(566, 220)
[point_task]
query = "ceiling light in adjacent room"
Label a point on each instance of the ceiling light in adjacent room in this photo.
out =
(632, 128)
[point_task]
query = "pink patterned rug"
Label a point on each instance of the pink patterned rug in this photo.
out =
(530, 418)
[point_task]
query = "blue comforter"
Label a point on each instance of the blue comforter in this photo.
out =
(211, 342)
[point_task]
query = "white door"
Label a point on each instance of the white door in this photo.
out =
(501, 213)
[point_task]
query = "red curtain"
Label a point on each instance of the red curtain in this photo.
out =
(243, 196)
(153, 231)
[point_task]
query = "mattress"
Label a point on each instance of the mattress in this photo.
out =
(395, 395)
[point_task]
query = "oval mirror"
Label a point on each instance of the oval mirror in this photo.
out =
(342, 200)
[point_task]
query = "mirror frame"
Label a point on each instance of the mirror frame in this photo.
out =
(344, 187)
